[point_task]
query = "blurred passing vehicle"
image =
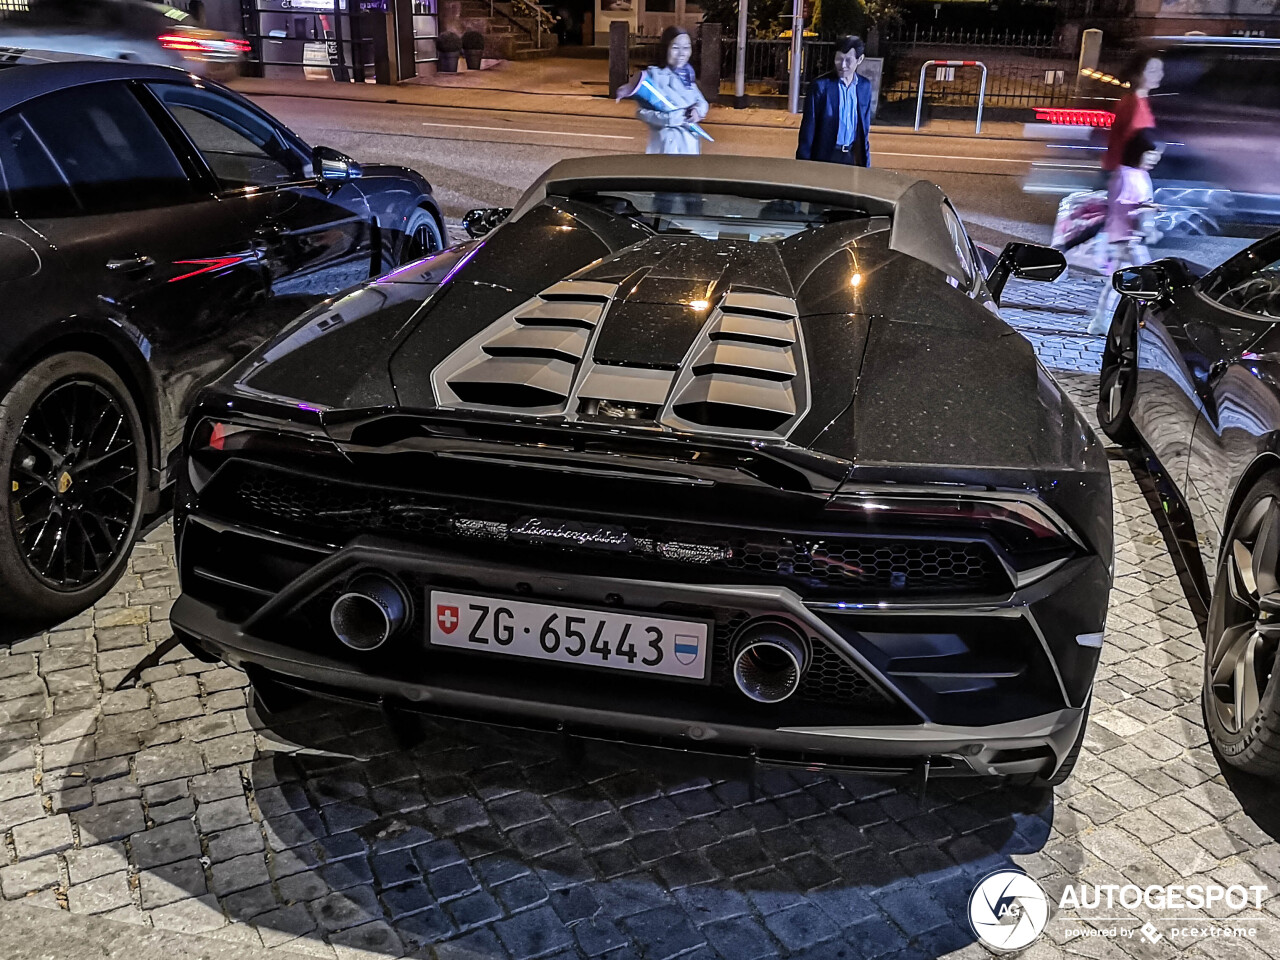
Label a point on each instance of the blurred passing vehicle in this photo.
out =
(153, 230)
(134, 30)
(1218, 110)
(1191, 372)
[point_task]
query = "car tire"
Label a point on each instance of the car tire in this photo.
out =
(1240, 695)
(73, 460)
(422, 236)
(1118, 382)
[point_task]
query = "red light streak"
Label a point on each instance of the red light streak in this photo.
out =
(210, 264)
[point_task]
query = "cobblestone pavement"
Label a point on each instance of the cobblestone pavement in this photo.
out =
(168, 804)
(1053, 316)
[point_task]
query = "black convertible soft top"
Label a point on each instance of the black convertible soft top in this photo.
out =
(919, 229)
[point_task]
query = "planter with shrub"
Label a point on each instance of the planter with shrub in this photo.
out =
(448, 46)
(473, 48)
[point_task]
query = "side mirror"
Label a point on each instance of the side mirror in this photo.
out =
(479, 222)
(1146, 282)
(987, 258)
(1026, 261)
(333, 167)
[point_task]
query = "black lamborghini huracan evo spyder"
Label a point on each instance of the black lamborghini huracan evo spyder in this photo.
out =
(729, 454)
(1190, 374)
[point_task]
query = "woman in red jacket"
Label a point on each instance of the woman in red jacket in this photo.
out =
(1133, 112)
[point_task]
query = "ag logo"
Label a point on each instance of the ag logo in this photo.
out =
(1008, 910)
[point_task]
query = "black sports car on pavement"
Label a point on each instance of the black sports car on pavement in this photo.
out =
(1190, 372)
(724, 453)
(154, 228)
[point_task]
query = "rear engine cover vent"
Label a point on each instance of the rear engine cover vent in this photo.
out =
(529, 358)
(748, 374)
(744, 375)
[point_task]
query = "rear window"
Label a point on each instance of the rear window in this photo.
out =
(90, 149)
(720, 216)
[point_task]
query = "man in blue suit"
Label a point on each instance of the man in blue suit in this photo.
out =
(837, 113)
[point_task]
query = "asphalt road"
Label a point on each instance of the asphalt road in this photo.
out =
(486, 158)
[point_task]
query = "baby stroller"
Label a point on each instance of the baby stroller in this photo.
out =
(1079, 233)
(1078, 229)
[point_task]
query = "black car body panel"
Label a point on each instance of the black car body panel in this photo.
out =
(803, 439)
(230, 268)
(1207, 403)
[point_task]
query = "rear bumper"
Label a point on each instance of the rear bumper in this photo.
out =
(1035, 745)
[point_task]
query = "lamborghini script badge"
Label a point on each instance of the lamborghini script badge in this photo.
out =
(570, 533)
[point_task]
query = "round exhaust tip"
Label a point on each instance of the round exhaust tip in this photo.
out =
(771, 658)
(369, 613)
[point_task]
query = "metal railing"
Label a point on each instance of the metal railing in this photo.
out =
(535, 10)
(1016, 82)
(970, 39)
(541, 18)
(768, 62)
(949, 66)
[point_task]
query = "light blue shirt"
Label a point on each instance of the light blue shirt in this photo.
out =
(848, 112)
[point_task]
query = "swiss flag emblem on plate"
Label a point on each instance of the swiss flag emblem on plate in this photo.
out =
(446, 618)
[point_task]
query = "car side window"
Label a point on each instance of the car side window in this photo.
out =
(94, 143)
(1249, 282)
(963, 248)
(31, 182)
(240, 147)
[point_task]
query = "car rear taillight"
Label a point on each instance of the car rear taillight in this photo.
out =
(1031, 538)
(1075, 117)
(213, 442)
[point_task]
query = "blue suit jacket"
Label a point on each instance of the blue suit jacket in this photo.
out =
(821, 123)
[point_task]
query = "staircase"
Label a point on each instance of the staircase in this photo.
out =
(510, 30)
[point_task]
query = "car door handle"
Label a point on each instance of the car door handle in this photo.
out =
(130, 264)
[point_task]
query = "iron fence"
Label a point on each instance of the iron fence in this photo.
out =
(1025, 69)
(1010, 84)
(768, 61)
(971, 39)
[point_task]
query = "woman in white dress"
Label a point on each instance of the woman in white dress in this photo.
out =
(669, 129)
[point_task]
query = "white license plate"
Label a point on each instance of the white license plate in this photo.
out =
(593, 638)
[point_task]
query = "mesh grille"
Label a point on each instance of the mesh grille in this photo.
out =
(339, 507)
(852, 567)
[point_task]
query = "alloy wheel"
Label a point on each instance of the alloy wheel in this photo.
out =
(1244, 621)
(421, 241)
(73, 484)
(1119, 373)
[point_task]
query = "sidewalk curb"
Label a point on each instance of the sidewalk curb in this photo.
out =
(523, 101)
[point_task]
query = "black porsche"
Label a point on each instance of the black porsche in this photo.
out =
(154, 228)
(1191, 375)
(727, 454)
